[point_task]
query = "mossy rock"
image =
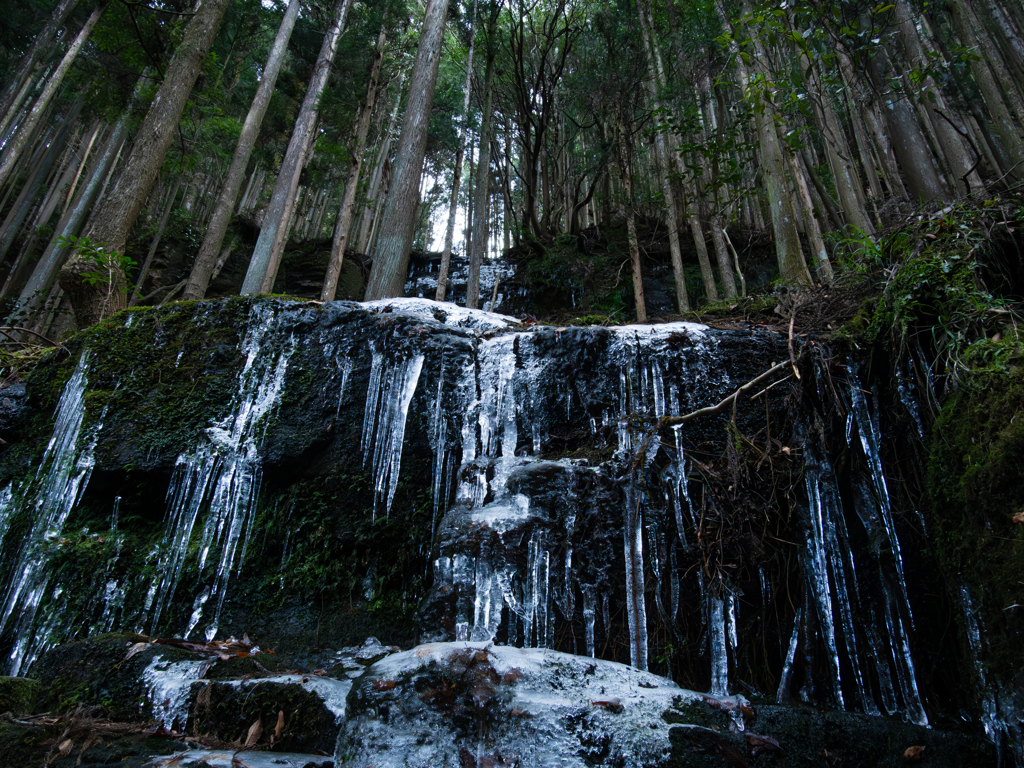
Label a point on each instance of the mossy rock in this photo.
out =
(96, 672)
(975, 472)
(227, 710)
(18, 694)
(702, 734)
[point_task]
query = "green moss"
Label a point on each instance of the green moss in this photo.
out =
(975, 473)
(18, 694)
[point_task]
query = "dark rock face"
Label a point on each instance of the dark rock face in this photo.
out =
(315, 474)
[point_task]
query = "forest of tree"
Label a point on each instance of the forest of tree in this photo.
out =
(175, 149)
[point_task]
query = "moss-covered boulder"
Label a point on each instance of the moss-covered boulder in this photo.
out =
(18, 694)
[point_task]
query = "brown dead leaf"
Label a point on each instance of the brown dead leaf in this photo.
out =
(1019, 518)
(171, 762)
(759, 744)
(384, 685)
(279, 728)
(612, 705)
(255, 732)
(136, 648)
(913, 754)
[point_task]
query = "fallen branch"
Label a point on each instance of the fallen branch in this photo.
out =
(671, 421)
(26, 330)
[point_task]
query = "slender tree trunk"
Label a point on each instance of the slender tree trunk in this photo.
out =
(12, 153)
(23, 204)
(23, 74)
(376, 180)
(265, 258)
(482, 187)
(1012, 150)
(217, 227)
(453, 203)
(164, 218)
(634, 247)
(45, 271)
(348, 202)
(662, 161)
(120, 209)
(824, 266)
(391, 251)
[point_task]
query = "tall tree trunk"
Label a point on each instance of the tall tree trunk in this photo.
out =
(45, 270)
(908, 140)
(634, 246)
(482, 186)
(12, 152)
(1012, 150)
(382, 165)
(24, 202)
(265, 258)
(391, 251)
(453, 203)
(790, 256)
(206, 259)
(348, 202)
(662, 160)
(23, 74)
(837, 151)
(119, 210)
(154, 244)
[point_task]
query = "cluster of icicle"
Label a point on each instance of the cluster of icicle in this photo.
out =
(212, 497)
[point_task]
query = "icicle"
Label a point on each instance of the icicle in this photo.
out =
(717, 645)
(787, 669)
(224, 478)
(392, 386)
(55, 490)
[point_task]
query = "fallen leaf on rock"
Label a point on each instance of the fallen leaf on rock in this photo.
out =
(759, 744)
(913, 754)
(171, 762)
(1019, 518)
(384, 685)
(279, 728)
(136, 648)
(612, 705)
(255, 731)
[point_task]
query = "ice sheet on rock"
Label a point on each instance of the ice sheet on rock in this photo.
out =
(231, 759)
(505, 515)
(168, 684)
(442, 312)
(551, 707)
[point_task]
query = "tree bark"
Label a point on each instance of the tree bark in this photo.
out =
(391, 251)
(267, 255)
(206, 259)
(120, 209)
(348, 202)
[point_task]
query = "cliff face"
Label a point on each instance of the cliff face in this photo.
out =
(312, 475)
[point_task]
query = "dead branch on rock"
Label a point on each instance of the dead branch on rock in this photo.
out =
(671, 421)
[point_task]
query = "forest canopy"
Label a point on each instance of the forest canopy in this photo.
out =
(166, 150)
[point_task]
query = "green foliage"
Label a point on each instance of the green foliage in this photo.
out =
(107, 267)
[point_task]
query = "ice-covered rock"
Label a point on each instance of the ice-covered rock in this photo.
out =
(482, 704)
